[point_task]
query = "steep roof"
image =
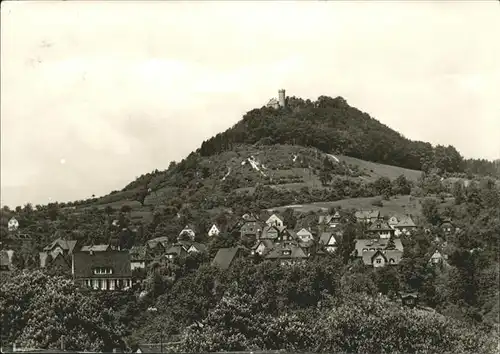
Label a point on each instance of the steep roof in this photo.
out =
(199, 246)
(295, 252)
(67, 245)
(406, 221)
(367, 214)
(138, 253)
(325, 237)
(119, 261)
(380, 226)
(268, 232)
(225, 256)
(177, 250)
(368, 256)
(267, 243)
(325, 219)
(375, 244)
(95, 248)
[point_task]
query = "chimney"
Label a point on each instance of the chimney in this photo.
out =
(282, 98)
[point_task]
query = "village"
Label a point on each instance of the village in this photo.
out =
(108, 267)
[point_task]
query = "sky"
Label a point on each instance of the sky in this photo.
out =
(94, 94)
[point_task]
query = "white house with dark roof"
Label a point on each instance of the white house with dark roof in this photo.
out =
(12, 224)
(287, 253)
(327, 239)
(214, 231)
(304, 235)
(274, 220)
(405, 226)
(187, 231)
(381, 258)
(381, 228)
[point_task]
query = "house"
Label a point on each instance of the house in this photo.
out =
(331, 221)
(13, 224)
(196, 247)
(447, 227)
(175, 251)
(393, 221)
(285, 234)
(262, 246)
(405, 226)
(381, 258)
(6, 261)
(381, 228)
(214, 231)
(139, 257)
(96, 248)
(226, 256)
(438, 258)
(274, 220)
(187, 231)
(65, 248)
(287, 253)
(108, 270)
(60, 246)
(304, 235)
(327, 239)
(157, 246)
(250, 227)
(270, 232)
(409, 299)
(308, 246)
(366, 245)
(367, 216)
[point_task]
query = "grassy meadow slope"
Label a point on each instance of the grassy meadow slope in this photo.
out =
(284, 167)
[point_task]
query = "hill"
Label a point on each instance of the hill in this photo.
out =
(308, 152)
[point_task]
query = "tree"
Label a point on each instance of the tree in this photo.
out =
(383, 186)
(430, 211)
(36, 310)
(401, 185)
(458, 192)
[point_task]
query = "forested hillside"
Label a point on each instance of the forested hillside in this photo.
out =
(333, 126)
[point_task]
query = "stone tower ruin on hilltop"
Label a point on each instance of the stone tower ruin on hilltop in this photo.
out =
(280, 102)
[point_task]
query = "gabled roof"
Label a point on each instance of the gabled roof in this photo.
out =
(367, 214)
(67, 245)
(199, 246)
(274, 216)
(138, 253)
(303, 231)
(268, 231)
(188, 229)
(267, 243)
(154, 242)
(119, 261)
(177, 250)
(375, 244)
(388, 255)
(380, 225)
(295, 251)
(225, 256)
(95, 248)
(406, 221)
(325, 219)
(336, 215)
(325, 238)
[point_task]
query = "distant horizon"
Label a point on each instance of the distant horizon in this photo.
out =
(95, 94)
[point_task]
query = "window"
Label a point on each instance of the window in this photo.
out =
(378, 261)
(287, 252)
(392, 261)
(103, 270)
(365, 249)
